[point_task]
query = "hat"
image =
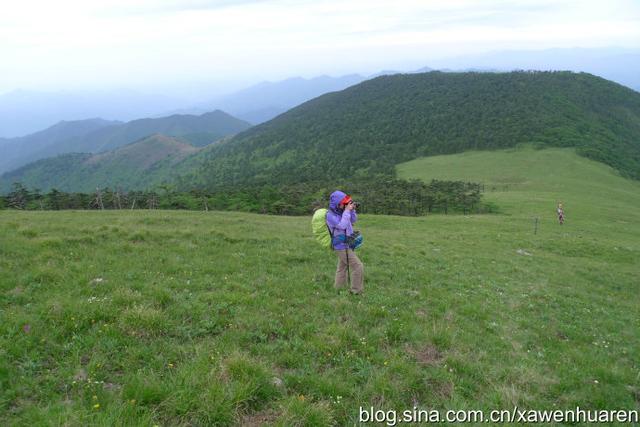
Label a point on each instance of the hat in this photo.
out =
(346, 199)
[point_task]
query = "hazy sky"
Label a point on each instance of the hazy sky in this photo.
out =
(145, 44)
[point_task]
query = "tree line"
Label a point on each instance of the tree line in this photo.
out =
(386, 196)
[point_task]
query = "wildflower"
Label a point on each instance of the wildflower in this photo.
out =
(301, 398)
(96, 406)
(171, 365)
(95, 397)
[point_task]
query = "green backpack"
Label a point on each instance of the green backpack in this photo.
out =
(320, 228)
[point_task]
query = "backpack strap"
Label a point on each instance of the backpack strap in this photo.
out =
(329, 230)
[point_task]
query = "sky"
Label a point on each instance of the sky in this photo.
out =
(151, 44)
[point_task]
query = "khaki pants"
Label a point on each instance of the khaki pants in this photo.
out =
(355, 267)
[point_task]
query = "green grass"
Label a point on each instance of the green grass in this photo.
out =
(523, 181)
(193, 318)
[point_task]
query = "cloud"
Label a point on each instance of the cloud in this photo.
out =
(132, 42)
(142, 7)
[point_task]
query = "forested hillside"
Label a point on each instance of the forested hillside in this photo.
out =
(199, 130)
(141, 164)
(15, 152)
(96, 136)
(366, 129)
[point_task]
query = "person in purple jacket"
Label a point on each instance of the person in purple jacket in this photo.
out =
(340, 219)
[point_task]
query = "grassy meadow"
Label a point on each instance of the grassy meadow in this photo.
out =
(221, 318)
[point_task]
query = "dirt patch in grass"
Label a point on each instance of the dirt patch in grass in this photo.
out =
(112, 386)
(80, 375)
(16, 291)
(261, 418)
(428, 355)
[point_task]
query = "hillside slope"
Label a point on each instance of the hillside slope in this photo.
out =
(103, 136)
(525, 181)
(15, 152)
(200, 130)
(141, 164)
(370, 127)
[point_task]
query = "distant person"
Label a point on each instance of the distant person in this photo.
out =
(560, 212)
(340, 218)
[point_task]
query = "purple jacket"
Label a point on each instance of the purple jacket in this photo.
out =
(340, 221)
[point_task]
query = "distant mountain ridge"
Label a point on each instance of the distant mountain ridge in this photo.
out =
(201, 130)
(263, 101)
(266, 100)
(15, 152)
(140, 164)
(96, 135)
(23, 112)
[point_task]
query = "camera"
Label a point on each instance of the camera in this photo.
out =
(356, 205)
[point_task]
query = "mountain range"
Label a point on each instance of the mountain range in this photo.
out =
(367, 129)
(267, 100)
(97, 135)
(24, 112)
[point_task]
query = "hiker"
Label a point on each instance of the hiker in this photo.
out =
(340, 219)
(560, 212)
